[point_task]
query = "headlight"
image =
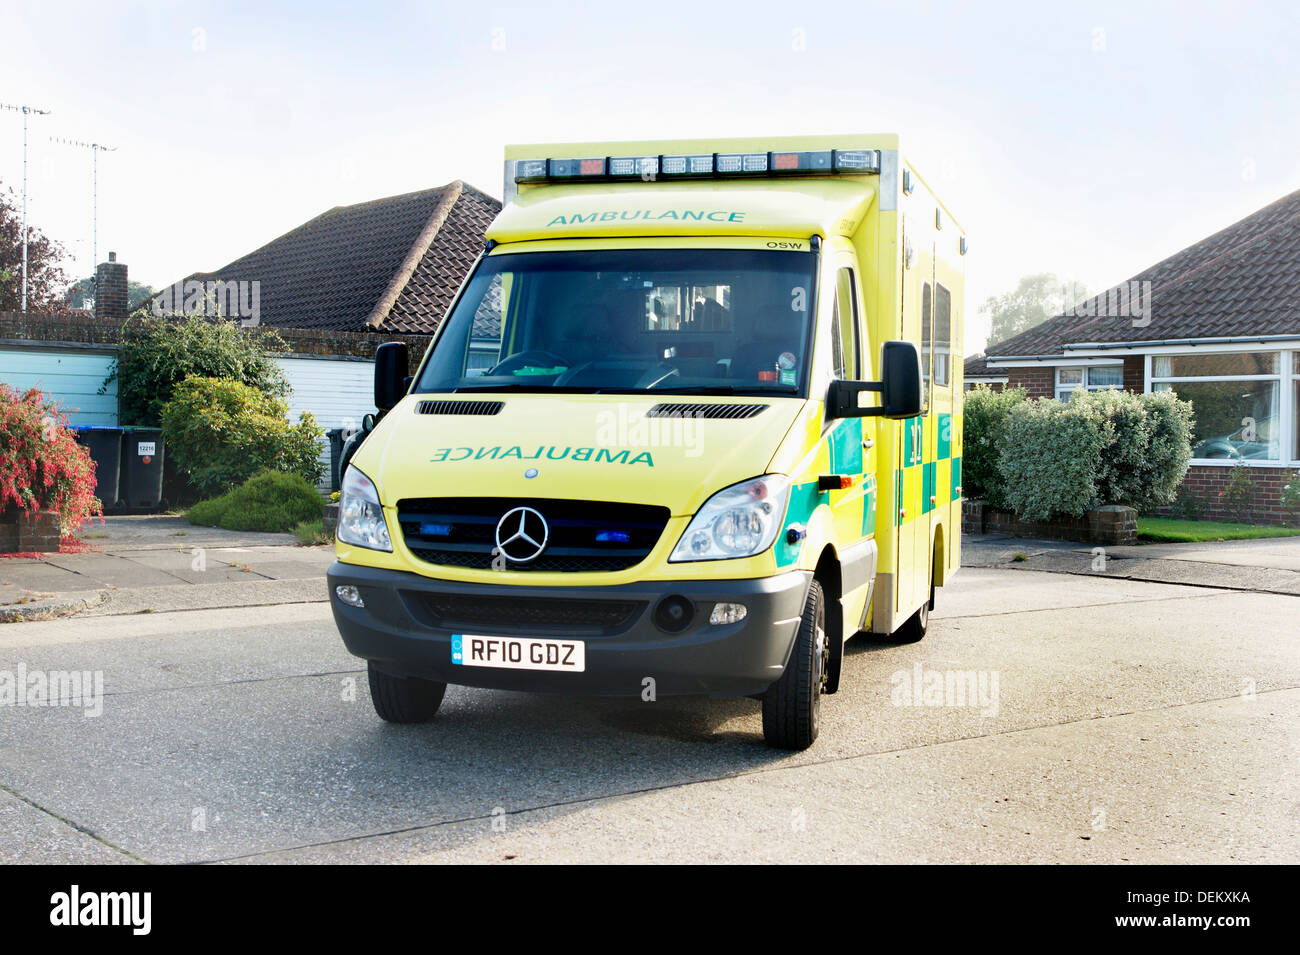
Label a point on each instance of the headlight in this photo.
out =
(361, 519)
(738, 521)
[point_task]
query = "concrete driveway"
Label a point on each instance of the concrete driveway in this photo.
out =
(1121, 721)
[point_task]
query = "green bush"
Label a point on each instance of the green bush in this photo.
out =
(1290, 498)
(1238, 495)
(221, 432)
(159, 352)
(1049, 456)
(1165, 462)
(270, 501)
(1146, 462)
(312, 533)
(984, 417)
(1045, 458)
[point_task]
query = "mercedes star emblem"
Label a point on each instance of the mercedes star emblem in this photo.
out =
(522, 534)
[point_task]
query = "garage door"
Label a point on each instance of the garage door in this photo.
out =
(337, 392)
(72, 377)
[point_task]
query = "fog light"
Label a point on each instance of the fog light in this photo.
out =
(349, 595)
(727, 613)
(674, 614)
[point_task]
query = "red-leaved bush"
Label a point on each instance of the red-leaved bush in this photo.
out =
(42, 467)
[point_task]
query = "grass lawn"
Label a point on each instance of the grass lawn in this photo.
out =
(312, 532)
(1169, 529)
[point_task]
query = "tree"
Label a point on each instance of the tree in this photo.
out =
(81, 294)
(45, 277)
(1035, 299)
(158, 352)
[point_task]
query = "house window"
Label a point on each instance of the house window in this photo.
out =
(1236, 399)
(1090, 378)
(1295, 406)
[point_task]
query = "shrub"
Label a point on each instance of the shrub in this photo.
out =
(159, 352)
(1104, 447)
(42, 467)
(1049, 456)
(221, 432)
(1170, 452)
(1147, 460)
(984, 417)
(1238, 495)
(270, 501)
(1291, 497)
(312, 533)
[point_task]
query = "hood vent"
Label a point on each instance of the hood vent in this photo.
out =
(460, 407)
(704, 411)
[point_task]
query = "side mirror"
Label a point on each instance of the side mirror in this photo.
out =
(391, 382)
(899, 387)
(900, 380)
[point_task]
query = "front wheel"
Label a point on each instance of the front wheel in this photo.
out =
(792, 705)
(404, 699)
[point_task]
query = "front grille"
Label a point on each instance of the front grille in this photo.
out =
(584, 536)
(470, 613)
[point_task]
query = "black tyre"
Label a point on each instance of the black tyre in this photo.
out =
(917, 624)
(404, 699)
(792, 705)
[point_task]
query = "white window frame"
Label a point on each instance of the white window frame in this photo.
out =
(1064, 389)
(1287, 374)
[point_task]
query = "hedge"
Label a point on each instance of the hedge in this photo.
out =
(1044, 458)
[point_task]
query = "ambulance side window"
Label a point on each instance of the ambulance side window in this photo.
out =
(485, 338)
(942, 336)
(927, 338)
(845, 349)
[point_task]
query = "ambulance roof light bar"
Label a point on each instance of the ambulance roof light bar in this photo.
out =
(852, 162)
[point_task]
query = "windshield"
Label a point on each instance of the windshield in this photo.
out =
(696, 321)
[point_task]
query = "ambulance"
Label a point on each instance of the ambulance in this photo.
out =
(692, 422)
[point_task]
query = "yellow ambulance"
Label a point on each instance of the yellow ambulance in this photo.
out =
(692, 422)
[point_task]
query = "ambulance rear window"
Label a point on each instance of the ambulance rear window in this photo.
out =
(707, 321)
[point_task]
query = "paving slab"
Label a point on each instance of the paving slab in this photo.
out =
(108, 570)
(49, 840)
(1266, 569)
(239, 590)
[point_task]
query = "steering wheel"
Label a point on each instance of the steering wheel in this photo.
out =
(535, 357)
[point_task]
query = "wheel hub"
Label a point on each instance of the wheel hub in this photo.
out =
(821, 655)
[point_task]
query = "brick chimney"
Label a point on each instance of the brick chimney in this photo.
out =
(110, 290)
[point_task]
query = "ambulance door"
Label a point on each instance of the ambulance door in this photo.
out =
(912, 515)
(853, 507)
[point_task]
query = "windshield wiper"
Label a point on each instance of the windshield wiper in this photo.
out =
(724, 390)
(528, 386)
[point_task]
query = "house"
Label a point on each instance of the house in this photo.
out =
(388, 266)
(976, 371)
(1218, 324)
(333, 288)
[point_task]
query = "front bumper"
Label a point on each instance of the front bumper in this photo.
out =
(405, 629)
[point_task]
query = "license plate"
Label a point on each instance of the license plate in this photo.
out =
(518, 653)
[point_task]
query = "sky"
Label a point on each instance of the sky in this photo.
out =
(1088, 140)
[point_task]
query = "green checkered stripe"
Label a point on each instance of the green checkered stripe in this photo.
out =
(916, 468)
